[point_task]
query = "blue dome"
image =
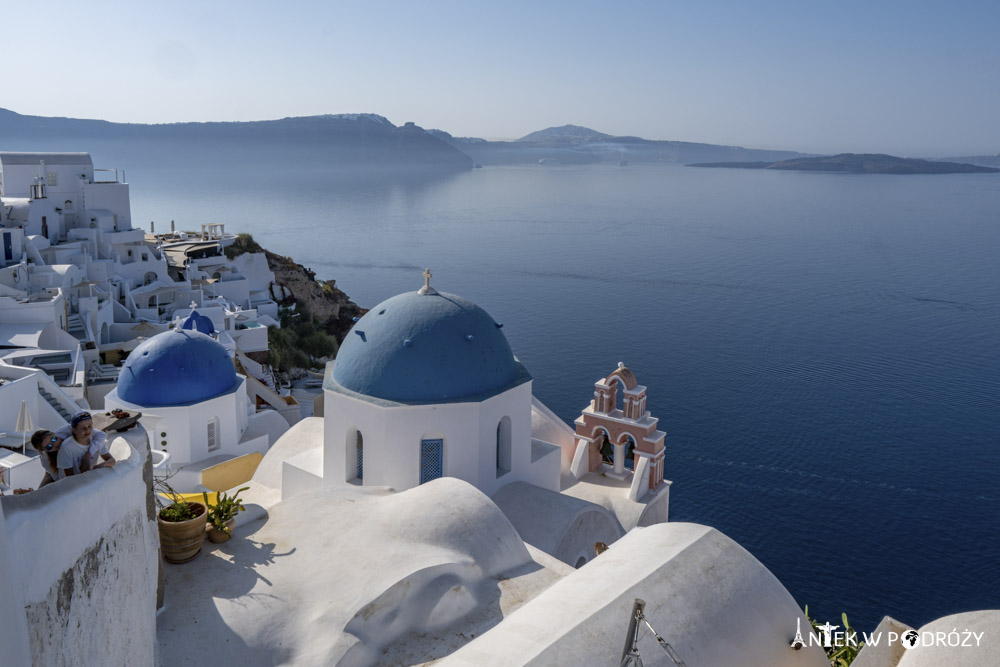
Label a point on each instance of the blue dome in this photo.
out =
(425, 348)
(176, 368)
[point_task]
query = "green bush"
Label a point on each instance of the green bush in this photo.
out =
(297, 344)
(243, 243)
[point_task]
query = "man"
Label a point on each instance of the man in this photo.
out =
(82, 447)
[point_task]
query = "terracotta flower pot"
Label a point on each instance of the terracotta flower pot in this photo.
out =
(180, 541)
(216, 535)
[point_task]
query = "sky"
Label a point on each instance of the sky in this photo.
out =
(909, 78)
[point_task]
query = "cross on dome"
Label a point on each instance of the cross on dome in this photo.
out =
(427, 289)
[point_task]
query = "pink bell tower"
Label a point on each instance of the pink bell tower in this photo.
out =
(631, 424)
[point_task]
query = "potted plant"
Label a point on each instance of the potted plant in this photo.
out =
(222, 515)
(182, 530)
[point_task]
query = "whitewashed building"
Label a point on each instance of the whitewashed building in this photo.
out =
(194, 405)
(426, 386)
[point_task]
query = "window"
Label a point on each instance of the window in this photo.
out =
(431, 459)
(360, 448)
(503, 447)
(51, 179)
(213, 435)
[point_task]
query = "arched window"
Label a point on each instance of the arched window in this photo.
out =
(619, 388)
(359, 444)
(503, 447)
(630, 453)
(607, 451)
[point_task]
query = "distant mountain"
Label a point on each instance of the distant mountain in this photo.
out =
(573, 144)
(565, 134)
(859, 163)
(981, 160)
(348, 140)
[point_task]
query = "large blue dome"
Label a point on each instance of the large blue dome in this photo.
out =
(425, 348)
(176, 368)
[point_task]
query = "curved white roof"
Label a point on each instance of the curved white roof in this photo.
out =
(982, 653)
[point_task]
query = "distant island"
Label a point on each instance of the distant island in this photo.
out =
(574, 144)
(859, 163)
(367, 143)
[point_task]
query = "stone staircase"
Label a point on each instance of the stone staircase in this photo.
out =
(74, 325)
(56, 405)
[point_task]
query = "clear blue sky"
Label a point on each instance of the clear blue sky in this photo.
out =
(910, 78)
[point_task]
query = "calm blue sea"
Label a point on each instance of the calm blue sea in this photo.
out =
(822, 350)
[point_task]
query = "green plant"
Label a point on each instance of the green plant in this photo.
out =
(225, 508)
(170, 505)
(243, 243)
(840, 654)
(179, 511)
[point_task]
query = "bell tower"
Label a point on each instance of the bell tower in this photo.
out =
(623, 424)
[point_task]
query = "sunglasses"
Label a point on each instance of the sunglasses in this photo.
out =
(52, 443)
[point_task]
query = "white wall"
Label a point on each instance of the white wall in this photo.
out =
(113, 197)
(82, 555)
(392, 435)
(186, 426)
(14, 648)
(44, 311)
(17, 178)
(254, 268)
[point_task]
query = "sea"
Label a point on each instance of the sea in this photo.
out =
(822, 350)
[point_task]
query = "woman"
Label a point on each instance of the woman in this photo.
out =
(47, 444)
(82, 447)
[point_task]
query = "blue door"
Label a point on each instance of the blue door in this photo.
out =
(431, 460)
(8, 247)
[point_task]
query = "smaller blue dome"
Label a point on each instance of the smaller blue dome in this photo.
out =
(200, 323)
(176, 367)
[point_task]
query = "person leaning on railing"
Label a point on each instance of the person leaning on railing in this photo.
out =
(47, 444)
(83, 448)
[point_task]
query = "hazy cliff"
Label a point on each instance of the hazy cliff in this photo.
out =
(353, 140)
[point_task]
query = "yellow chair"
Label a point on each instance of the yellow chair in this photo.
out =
(232, 473)
(213, 497)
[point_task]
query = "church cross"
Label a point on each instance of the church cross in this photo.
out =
(427, 289)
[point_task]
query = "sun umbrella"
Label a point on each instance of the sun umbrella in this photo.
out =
(24, 424)
(143, 325)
